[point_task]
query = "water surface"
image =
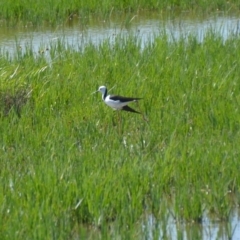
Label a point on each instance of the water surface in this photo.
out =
(77, 32)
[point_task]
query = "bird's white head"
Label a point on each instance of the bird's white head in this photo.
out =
(102, 89)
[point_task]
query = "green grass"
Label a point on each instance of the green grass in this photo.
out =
(69, 168)
(54, 12)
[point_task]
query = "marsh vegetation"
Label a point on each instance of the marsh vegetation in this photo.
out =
(71, 170)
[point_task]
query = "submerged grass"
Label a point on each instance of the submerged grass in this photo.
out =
(55, 12)
(67, 162)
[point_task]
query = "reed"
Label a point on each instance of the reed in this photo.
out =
(56, 12)
(68, 172)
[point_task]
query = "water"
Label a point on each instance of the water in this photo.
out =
(78, 32)
(206, 230)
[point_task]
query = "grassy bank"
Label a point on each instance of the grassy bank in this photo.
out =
(55, 12)
(67, 162)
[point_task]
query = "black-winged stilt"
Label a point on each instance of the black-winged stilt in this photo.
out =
(117, 102)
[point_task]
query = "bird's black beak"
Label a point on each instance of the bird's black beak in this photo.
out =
(94, 92)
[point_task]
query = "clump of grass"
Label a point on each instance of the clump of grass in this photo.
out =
(64, 165)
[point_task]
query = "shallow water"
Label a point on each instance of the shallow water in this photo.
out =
(206, 230)
(78, 32)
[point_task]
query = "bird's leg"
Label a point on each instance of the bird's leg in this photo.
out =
(144, 117)
(119, 122)
(113, 122)
(113, 119)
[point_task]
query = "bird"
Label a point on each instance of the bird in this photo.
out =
(117, 102)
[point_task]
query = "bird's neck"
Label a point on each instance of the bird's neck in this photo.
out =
(104, 95)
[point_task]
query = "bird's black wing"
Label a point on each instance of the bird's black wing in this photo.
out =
(123, 99)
